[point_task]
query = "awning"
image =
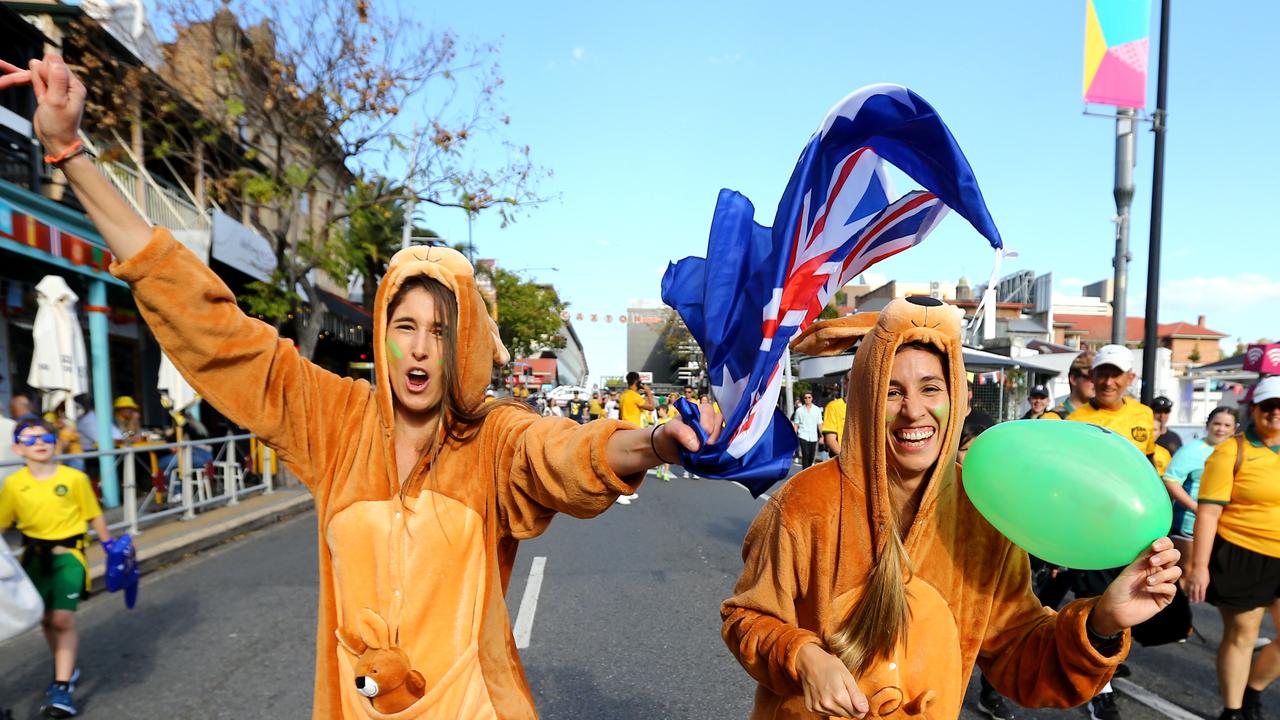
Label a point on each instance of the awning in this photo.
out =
(818, 368)
(346, 321)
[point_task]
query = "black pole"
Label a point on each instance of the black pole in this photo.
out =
(1149, 340)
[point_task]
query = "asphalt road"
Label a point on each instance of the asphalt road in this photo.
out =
(626, 626)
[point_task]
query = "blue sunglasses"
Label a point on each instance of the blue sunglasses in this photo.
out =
(29, 440)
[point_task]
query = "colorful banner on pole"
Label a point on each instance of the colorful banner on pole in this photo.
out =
(1116, 44)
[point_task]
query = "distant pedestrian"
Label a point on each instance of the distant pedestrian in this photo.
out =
(806, 419)
(1039, 400)
(1080, 379)
(1236, 567)
(53, 506)
(611, 410)
(1182, 479)
(579, 409)
(20, 406)
(595, 408)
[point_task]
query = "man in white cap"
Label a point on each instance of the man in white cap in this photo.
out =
(1111, 408)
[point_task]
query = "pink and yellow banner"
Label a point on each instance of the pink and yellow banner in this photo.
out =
(1116, 43)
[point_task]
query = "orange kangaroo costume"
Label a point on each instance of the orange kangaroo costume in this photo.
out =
(432, 563)
(812, 548)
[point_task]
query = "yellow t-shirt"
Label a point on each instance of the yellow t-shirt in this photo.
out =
(1134, 421)
(1251, 516)
(51, 509)
(630, 406)
(595, 410)
(833, 418)
(1161, 459)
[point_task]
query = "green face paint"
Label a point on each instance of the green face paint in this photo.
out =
(942, 412)
(395, 349)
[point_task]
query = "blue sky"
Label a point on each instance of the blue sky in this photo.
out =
(644, 111)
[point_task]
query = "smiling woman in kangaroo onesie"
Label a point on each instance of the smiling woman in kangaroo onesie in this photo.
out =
(871, 584)
(422, 490)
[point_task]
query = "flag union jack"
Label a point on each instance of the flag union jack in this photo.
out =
(758, 286)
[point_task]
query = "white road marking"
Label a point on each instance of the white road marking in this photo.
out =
(1153, 701)
(529, 603)
(764, 497)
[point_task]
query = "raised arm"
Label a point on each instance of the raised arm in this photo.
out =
(60, 103)
(241, 365)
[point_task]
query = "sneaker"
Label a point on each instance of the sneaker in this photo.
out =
(1231, 714)
(1251, 708)
(686, 474)
(1261, 643)
(623, 500)
(1122, 671)
(1103, 707)
(58, 703)
(994, 705)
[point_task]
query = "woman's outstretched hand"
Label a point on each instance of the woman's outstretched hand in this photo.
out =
(676, 433)
(1143, 589)
(59, 98)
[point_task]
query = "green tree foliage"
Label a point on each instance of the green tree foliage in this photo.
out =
(528, 313)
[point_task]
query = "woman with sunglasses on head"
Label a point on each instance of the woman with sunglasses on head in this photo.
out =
(1236, 552)
(423, 491)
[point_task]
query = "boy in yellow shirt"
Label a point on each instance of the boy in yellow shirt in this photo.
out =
(53, 505)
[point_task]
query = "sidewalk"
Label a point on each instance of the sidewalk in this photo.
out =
(162, 543)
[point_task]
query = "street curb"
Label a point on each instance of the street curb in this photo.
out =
(155, 557)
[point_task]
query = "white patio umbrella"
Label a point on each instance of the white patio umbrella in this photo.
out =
(180, 396)
(170, 382)
(59, 365)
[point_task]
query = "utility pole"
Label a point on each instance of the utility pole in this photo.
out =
(1126, 158)
(1149, 340)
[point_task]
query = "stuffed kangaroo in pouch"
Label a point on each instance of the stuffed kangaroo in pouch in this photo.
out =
(382, 670)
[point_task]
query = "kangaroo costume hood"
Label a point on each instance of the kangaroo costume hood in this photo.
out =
(810, 553)
(411, 579)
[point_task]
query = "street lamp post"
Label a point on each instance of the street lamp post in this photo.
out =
(1157, 209)
(1126, 158)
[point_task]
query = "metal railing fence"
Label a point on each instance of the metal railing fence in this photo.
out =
(195, 484)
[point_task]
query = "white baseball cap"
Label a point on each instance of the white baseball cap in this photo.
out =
(1266, 389)
(1118, 355)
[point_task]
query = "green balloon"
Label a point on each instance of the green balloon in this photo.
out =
(1070, 493)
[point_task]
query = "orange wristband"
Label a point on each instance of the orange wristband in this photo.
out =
(71, 151)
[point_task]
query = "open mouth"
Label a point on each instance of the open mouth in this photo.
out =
(914, 438)
(416, 380)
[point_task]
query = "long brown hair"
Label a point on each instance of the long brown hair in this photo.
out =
(460, 422)
(878, 622)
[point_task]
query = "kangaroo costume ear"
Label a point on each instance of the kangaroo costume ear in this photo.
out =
(352, 643)
(832, 337)
(373, 629)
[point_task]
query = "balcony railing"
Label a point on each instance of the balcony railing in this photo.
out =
(155, 202)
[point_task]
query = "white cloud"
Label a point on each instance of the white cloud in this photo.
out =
(578, 54)
(1240, 305)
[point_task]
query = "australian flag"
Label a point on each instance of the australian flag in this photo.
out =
(758, 287)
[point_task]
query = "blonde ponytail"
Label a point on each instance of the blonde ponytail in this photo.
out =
(878, 623)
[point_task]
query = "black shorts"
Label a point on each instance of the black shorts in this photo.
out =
(1241, 579)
